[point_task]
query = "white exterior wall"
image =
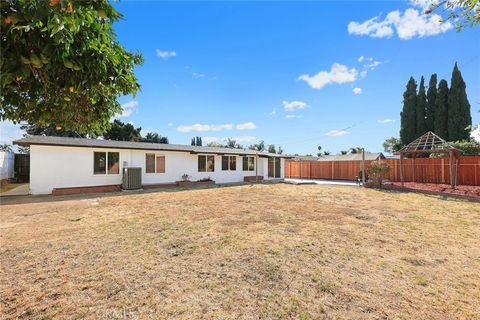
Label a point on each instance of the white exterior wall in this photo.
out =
(63, 167)
(6, 165)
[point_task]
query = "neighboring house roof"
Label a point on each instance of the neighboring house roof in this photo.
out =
(352, 157)
(305, 158)
(96, 143)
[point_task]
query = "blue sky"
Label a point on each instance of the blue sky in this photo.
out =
(288, 73)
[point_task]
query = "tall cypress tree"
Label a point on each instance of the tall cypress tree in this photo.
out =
(420, 108)
(441, 111)
(408, 116)
(459, 116)
(431, 103)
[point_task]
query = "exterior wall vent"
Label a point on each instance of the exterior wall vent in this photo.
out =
(132, 178)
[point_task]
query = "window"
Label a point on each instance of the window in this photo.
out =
(99, 162)
(113, 163)
(101, 159)
(154, 163)
(248, 164)
(160, 164)
(229, 163)
(150, 163)
(206, 163)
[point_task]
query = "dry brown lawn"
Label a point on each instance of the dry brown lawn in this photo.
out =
(271, 251)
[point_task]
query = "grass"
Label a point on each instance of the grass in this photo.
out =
(244, 252)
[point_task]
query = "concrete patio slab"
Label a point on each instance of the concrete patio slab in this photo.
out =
(321, 182)
(21, 190)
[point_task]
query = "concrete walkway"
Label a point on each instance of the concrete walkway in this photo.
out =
(321, 182)
(22, 190)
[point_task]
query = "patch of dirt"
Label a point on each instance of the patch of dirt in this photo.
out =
(268, 251)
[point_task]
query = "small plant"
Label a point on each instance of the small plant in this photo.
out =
(205, 179)
(377, 170)
(421, 281)
(185, 177)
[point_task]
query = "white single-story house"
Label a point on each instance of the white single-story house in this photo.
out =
(62, 163)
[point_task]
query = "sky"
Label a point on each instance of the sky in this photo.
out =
(294, 74)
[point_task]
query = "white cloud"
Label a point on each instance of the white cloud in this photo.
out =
(293, 105)
(170, 124)
(273, 112)
(241, 139)
(385, 121)
(165, 54)
(246, 126)
(128, 109)
(336, 133)
(369, 64)
(371, 27)
(357, 90)
(238, 139)
(424, 4)
(205, 127)
(293, 116)
(207, 140)
(9, 132)
(407, 26)
(372, 65)
(338, 74)
(198, 75)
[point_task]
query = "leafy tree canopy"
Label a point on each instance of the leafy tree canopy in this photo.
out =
(463, 13)
(50, 130)
(258, 146)
(154, 137)
(468, 147)
(6, 148)
(272, 149)
(392, 145)
(61, 64)
(123, 132)
(232, 143)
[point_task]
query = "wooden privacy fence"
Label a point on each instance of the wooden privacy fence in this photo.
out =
(428, 170)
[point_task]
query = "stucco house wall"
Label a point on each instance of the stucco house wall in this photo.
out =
(68, 167)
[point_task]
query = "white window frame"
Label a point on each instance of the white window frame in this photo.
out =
(248, 167)
(106, 164)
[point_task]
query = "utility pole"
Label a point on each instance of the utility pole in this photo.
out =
(363, 165)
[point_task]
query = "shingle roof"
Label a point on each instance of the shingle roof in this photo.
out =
(352, 157)
(97, 143)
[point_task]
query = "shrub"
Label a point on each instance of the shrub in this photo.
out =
(377, 170)
(468, 147)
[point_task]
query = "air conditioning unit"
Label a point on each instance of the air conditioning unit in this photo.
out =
(132, 178)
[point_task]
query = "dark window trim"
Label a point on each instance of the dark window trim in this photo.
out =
(207, 156)
(229, 163)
